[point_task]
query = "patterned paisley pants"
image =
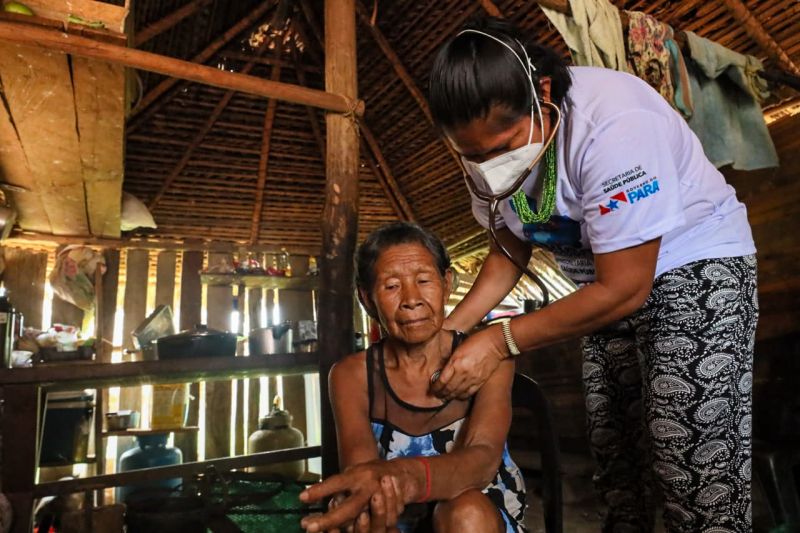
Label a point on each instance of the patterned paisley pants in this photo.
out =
(669, 403)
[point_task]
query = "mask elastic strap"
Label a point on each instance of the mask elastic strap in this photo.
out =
(529, 69)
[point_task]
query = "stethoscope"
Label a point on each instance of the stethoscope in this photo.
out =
(494, 201)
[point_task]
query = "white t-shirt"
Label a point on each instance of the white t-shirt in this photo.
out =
(629, 170)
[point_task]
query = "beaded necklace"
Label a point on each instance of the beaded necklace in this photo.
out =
(548, 198)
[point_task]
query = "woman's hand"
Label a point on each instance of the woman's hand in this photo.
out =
(364, 488)
(471, 364)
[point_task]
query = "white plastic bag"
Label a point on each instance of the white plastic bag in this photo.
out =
(72, 277)
(134, 214)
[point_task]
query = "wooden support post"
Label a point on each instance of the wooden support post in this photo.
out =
(378, 164)
(81, 46)
(20, 426)
(263, 161)
(105, 341)
(163, 24)
(340, 215)
(756, 31)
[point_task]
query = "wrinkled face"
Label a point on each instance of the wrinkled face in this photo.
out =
(409, 294)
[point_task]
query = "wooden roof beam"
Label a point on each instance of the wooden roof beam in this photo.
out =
(160, 26)
(206, 54)
(756, 31)
(83, 47)
(197, 140)
(263, 161)
(402, 73)
(376, 171)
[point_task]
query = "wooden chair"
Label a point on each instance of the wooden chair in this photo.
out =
(527, 394)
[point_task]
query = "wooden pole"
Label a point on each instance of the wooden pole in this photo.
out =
(163, 24)
(756, 31)
(378, 164)
(263, 160)
(206, 54)
(340, 215)
(81, 46)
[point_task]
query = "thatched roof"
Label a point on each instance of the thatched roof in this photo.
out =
(213, 194)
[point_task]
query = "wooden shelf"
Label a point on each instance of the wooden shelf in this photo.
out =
(135, 432)
(166, 472)
(294, 283)
(81, 374)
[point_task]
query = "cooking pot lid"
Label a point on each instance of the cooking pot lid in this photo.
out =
(70, 396)
(200, 330)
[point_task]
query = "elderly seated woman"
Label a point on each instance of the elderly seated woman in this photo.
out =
(410, 461)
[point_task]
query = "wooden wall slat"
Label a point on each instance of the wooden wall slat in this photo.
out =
(239, 428)
(165, 279)
(190, 306)
(109, 305)
(219, 304)
(24, 277)
(135, 309)
(254, 298)
(295, 306)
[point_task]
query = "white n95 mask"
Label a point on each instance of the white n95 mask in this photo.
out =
(499, 174)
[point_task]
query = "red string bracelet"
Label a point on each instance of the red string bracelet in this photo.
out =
(424, 461)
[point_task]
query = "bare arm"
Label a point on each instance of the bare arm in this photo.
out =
(349, 397)
(623, 282)
(497, 277)
(471, 465)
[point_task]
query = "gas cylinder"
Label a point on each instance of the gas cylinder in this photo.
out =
(275, 432)
(152, 451)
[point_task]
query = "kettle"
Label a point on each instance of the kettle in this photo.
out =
(275, 432)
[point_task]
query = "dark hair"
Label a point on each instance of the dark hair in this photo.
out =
(390, 235)
(471, 73)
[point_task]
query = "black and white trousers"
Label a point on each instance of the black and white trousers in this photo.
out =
(669, 402)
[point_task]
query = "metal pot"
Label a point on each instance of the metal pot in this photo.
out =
(197, 342)
(272, 339)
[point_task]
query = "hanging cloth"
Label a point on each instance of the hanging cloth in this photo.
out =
(648, 55)
(593, 33)
(727, 117)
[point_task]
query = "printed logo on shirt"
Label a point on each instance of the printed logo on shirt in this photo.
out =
(631, 196)
(624, 178)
